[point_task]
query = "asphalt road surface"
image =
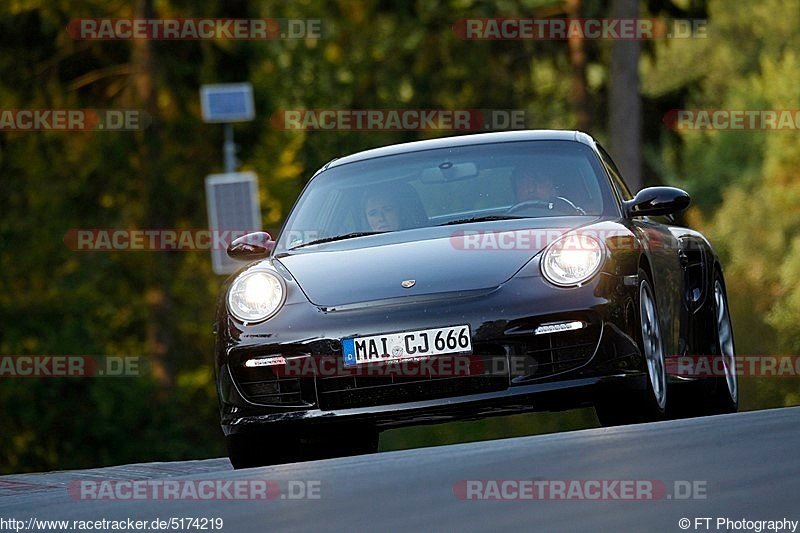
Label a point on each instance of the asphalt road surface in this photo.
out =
(738, 467)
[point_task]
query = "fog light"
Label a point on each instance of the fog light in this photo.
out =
(265, 361)
(556, 327)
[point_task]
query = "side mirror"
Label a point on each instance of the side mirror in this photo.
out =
(256, 245)
(657, 201)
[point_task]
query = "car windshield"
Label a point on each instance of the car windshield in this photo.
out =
(448, 186)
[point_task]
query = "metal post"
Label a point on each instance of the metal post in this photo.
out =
(229, 149)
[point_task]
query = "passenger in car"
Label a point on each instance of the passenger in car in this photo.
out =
(394, 207)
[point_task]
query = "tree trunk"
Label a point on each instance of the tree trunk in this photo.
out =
(158, 339)
(579, 95)
(625, 105)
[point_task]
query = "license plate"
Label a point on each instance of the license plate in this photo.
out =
(406, 345)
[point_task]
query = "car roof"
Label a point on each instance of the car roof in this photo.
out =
(464, 140)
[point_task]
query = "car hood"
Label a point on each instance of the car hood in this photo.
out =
(373, 268)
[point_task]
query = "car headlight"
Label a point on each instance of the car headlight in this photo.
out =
(256, 296)
(572, 260)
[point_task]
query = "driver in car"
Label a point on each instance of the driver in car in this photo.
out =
(383, 212)
(534, 186)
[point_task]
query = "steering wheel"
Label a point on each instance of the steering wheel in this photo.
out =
(557, 204)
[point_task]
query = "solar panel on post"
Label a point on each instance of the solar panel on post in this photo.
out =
(227, 102)
(232, 201)
(232, 197)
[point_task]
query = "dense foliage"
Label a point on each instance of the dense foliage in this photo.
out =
(375, 55)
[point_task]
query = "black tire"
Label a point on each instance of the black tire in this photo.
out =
(343, 441)
(717, 394)
(724, 391)
(712, 395)
(251, 449)
(619, 407)
(285, 445)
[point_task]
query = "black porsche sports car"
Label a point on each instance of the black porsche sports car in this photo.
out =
(464, 277)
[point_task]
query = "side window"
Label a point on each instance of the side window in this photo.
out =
(616, 178)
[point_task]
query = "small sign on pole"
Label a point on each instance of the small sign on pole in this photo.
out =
(227, 102)
(232, 197)
(233, 211)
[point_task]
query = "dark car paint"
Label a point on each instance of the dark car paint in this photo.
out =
(374, 264)
(463, 140)
(655, 201)
(490, 314)
(496, 302)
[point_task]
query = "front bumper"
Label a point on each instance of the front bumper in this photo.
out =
(536, 372)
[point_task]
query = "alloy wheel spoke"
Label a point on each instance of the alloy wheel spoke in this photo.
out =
(725, 342)
(651, 340)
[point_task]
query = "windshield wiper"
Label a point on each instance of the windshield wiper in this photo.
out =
(480, 219)
(337, 238)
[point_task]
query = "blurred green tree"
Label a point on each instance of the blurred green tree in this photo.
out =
(374, 55)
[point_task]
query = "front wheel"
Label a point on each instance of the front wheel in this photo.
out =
(616, 408)
(289, 445)
(251, 449)
(725, 390)
(719, 392)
